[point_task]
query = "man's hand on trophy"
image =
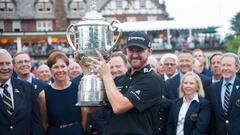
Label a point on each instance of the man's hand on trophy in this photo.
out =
(99, 64)
(81, 60)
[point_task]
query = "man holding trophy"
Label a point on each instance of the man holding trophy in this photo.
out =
(135, 96)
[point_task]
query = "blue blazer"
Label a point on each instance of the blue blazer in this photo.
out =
(225, 124)
(172, 85)
(197, 118)
(77, 79)
(38, 85)
(26, 117)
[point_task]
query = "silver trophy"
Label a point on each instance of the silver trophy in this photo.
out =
(90, 34)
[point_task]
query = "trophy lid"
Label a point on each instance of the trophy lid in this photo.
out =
(93, 14)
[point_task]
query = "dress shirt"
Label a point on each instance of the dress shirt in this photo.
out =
(29, 79)
(9, 89)
(224, 89)
(183, 112)
(213, 80)
(166, 77)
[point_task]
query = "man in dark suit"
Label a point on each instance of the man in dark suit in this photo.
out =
(19, 112)
(169, 62)
(224, 97)
(215, 64)
(185, 64)
(22, 66)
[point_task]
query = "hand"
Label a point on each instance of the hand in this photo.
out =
(99, 64)
(83, 64)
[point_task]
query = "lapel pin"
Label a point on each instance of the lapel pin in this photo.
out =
(237, 87)
(16, 91)
(35, 86)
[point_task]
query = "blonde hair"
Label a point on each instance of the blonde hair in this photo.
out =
(200, 90)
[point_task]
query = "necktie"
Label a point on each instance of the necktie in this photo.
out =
(7, 100)
(226, 99)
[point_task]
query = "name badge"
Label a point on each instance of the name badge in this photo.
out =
(194, 117)
(238, 102)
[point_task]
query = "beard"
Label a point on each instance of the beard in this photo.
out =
(137, 63)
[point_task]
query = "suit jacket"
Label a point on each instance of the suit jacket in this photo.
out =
(225, 124)
(172, 85)
(77, 79)
(197, 118)
(38, 85)
(26, 117)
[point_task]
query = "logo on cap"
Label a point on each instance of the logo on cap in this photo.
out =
(139, 39)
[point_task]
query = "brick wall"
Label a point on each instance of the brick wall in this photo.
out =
(28, 25)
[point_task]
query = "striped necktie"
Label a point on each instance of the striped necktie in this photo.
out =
(226, 99)
(7, 100)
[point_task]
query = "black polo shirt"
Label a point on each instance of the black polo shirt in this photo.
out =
(144, 90)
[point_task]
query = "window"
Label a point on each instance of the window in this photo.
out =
(77, 5)
(44, 6)
(119, 4)
(142, 3)
(152, 18)
(131, 19)
(44, 26)
(7, 6)
(1, 26)
(16, 26)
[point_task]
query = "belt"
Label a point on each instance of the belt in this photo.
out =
(66, 125)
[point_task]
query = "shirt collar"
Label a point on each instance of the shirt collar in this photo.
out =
(29, 79)
(195, 98)
(145, 69)
(181, 74)
(8, 82)
(231, 81)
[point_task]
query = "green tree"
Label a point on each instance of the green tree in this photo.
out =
(235, 23)
(232, 42)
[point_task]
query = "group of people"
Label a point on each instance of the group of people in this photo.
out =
(143, 97)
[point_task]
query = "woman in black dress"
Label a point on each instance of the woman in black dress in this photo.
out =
(60, 115)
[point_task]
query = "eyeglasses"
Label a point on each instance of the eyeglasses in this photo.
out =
(169, 64)
(23, 61)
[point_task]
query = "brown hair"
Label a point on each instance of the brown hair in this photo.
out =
(19, 53)
(54, 56)
(121, 55)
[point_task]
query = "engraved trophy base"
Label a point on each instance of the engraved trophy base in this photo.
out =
(90, 103)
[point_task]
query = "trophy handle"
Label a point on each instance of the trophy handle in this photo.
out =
(115, 26)
(69, 38)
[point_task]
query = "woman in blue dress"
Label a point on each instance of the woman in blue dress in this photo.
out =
(57, 102)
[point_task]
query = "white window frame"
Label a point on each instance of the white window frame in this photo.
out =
(16, 25)
(119, 4)
(2, 25)
(46, 25)
(142, 3)
(40, 5)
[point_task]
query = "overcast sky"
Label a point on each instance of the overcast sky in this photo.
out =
(212, 12)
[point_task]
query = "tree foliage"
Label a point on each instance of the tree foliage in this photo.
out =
(232, 42)
(235, 23)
